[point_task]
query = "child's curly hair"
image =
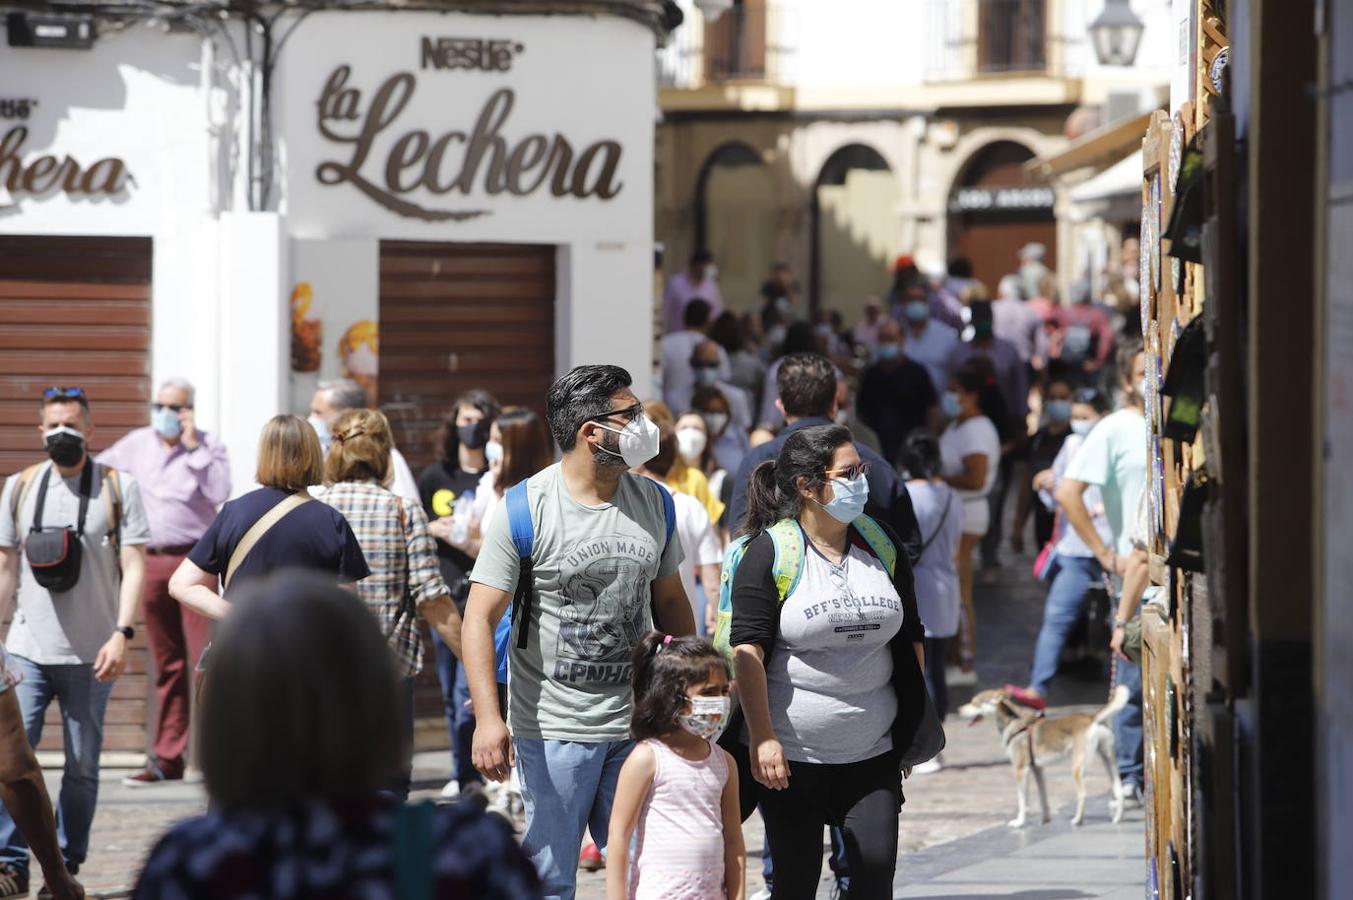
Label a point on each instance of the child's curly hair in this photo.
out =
(664, 669)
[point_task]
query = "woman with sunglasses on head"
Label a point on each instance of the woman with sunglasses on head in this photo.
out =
(828, 654)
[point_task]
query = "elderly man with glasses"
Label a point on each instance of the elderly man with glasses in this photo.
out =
(184, 475)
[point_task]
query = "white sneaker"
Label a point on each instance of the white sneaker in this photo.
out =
(763, 894)
(452, 790)
(955, 675)
(929, 767)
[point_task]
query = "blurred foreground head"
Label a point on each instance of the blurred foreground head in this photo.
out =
(300, 699)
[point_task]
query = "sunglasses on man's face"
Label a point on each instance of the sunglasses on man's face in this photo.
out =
(629, 414)
(849, 473)
(176, 407)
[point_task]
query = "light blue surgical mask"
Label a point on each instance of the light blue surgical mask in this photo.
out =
(916, 310)
(848, 499)
(1082, 426)
(493, 452)
(322, 431)
(166, 422)
(949, 404)
(1058, 410)
(888, 352)
(706, 375)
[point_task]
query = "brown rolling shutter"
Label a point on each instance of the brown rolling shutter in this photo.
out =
(455, 317)
(75, 312)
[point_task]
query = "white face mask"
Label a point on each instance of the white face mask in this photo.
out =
(322, 430)
(639, 441)
(716, 422)
(707, 718)
(1140, 387)
(691, 443)
(1082, 426)
(493, 453)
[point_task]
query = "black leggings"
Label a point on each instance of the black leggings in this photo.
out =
(862, 798)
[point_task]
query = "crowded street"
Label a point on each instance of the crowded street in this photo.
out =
(676, 449)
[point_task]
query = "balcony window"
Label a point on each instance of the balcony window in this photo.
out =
(735, 44)
(1011, 36)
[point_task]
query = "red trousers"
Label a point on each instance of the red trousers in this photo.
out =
(177, 636)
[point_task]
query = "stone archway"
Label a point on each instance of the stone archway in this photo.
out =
(855, 229)
(737, 219)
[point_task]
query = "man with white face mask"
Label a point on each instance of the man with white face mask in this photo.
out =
(184, 474)
(603, 572)
(87, 528)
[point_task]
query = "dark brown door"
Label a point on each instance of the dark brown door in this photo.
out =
(455, 317)
(75, 312)
(992, 238)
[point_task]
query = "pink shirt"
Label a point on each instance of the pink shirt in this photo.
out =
(180, 489)
(680, 291)
(679, 846)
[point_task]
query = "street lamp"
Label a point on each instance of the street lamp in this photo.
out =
(712, 9)
(1116, 34)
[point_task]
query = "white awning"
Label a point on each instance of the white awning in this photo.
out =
(1122, 179)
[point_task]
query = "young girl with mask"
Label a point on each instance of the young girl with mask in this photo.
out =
(677, 789)
(829, 673)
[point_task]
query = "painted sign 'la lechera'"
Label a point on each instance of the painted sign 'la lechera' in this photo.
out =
(455, 161)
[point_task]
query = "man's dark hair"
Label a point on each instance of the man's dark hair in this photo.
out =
(697, 313)
(701, 256)
(582, 394)
(807, 385)
(960, 267)
(799, 338)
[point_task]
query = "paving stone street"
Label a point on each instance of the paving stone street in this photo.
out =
(954, 842)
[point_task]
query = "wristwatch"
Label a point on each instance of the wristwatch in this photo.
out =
(1119, 623)
(126, 631)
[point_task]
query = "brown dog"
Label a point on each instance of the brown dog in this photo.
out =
(1032, 741)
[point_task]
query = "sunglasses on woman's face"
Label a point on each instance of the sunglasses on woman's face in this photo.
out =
(849, 473)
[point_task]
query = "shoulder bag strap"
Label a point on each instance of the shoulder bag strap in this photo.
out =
(518, 508)
(20, 491)
(257, 530)
(112, 485)
(406, 597)
(949, 501)
(40, 501)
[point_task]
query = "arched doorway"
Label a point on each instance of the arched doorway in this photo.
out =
(736, 220)
(855, 229)
(994, 210)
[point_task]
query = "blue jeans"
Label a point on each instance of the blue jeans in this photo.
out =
(459, 722)
(83, 701)
(567, 787)
(1072, 578)
(1127, 728)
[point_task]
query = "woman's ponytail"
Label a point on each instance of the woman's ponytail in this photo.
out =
(763, 500)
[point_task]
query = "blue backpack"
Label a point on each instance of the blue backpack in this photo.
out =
(787, 569)
(524, 539)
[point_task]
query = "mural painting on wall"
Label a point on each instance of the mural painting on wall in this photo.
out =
(307, 330)
(359, 353)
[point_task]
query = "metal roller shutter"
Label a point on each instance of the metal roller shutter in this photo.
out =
(75, 311)
(455, 317)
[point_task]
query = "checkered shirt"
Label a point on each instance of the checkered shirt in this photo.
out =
(398, 555)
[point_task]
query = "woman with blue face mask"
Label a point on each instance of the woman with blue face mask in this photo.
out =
(970, 453)
(828, 650)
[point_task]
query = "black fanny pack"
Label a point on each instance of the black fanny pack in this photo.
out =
(54, 555)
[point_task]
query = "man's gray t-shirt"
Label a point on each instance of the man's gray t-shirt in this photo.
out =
(69, 628)
(594, 572)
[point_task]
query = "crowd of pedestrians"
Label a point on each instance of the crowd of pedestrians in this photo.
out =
(650, 616)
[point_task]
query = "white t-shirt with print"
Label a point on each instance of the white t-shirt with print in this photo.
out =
(700, 545)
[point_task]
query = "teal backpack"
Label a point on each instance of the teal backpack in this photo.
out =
(788, 566)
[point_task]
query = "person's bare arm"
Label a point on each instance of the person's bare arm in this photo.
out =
(974, 474)
(734, 847)
(636, 778)
(492, 754)
(442, 615)
(767, 755)
(709, 583)
(672, 607)
(1071, 497)
(1136, 576)
(112, 658)
(9, 580)
(196, 589)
